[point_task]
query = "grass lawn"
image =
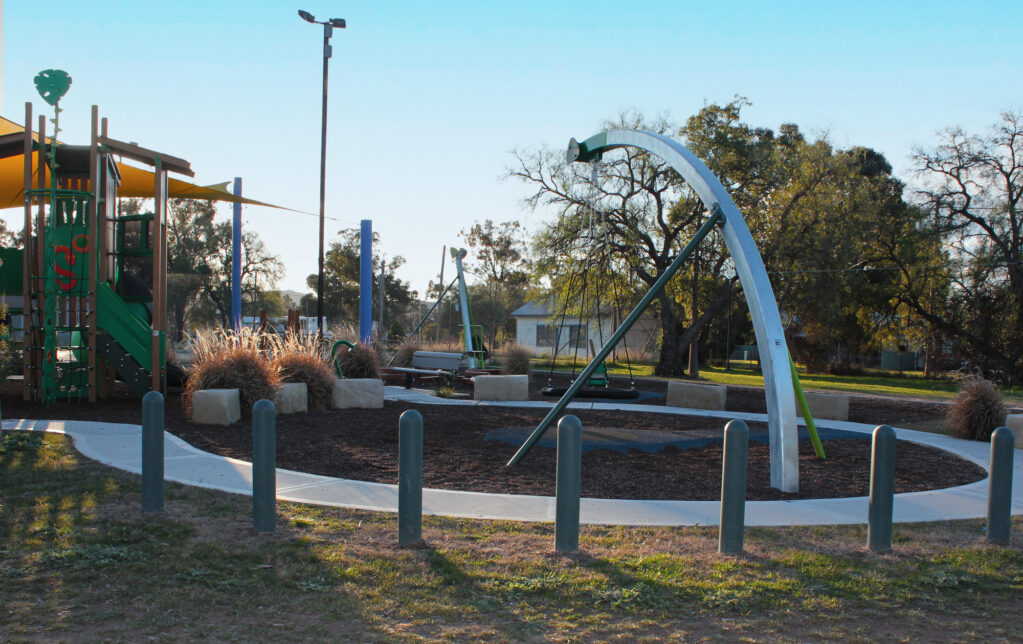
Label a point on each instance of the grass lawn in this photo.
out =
(80, 562)
(912, 384)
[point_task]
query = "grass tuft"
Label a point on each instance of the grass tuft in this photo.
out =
(359, 361)
(302, 366)
(515, 359)
(977, 410)
(242, 368)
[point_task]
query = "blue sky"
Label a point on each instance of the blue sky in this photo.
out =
(428, 98)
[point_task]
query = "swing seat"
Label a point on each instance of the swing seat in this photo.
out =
(593, 392)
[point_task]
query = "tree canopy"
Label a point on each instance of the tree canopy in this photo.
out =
(820, 216)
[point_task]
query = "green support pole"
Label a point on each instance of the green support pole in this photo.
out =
(715, 218)
(569, 484)
(152, 452)
(264, 466)
(410, 478)
(733, 488)
(999, 499)
(804, 408)
(882, 490)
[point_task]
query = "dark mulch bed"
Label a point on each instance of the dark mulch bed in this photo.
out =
(363, 444)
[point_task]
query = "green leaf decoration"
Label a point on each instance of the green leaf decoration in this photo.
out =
(52, 85)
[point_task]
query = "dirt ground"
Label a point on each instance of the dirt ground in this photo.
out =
(362, 444)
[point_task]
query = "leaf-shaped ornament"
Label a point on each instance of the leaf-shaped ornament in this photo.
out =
(52, 85)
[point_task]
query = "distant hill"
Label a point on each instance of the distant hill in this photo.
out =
(294, 296)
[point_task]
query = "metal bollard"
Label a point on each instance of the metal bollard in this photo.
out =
(569, 484)
(882, 490)
(264, 466)
(733, 488)
(410, 478)
(999, 496)
(152, 452)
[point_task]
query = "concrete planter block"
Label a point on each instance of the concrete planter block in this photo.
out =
(216, 406)
(827, 406)
(291, 398)
(1015, 423)
(696, 396)
(501, 387)
(358, 393)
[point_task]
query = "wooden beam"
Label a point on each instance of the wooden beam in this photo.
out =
(150, 157)
(96, 262)
(26, 263)
(39, 261)
(159, 245)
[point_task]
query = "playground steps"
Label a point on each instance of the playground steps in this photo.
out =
(127, 368)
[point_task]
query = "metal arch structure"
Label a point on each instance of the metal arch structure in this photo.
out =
(749, 266)
(774, 355)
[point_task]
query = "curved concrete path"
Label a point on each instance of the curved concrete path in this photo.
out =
(119, 446)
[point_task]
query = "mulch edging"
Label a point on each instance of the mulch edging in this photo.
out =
(362, 444)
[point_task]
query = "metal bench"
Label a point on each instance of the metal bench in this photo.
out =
(437, 364)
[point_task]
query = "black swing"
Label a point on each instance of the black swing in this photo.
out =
(597, 385)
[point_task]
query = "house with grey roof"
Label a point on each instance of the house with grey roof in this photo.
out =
(549, 332)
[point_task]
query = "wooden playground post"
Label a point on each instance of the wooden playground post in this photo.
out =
(26, 265)
(39, 261)
(97, 259)
(159, 237)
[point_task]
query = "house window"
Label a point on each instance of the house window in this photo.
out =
(548, 336)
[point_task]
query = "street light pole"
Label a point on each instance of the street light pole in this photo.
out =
(328, 31)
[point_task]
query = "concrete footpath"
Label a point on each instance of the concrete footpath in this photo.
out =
(119, 446)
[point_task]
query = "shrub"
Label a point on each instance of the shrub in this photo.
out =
(302, 366)
(358, 362)
(241, 368)
(977, 410)
(516, 359)
(403, 355)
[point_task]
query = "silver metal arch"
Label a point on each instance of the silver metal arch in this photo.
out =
(774, 356)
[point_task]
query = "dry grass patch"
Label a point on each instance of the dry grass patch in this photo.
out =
(81, 560)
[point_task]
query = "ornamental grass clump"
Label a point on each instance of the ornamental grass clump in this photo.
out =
(241, 367)
(302, 366)
(977, 410)
(515, 360)
(403, 355)
(359, 361)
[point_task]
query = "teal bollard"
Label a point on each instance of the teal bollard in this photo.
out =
(152, 452)
(569, 484)
(264, 466)
(410, 478)
(733, 488)
(999, 497)
(882, 490)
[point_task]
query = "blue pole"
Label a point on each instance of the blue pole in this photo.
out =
(236, 260)
(366, 283)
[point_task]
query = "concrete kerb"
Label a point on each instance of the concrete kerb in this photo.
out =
(118, 446)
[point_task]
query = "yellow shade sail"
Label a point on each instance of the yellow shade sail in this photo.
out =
(135, 182)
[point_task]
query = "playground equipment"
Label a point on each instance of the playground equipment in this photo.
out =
(597, 254)
(472, 334)
(93, 282)
(774, 356)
